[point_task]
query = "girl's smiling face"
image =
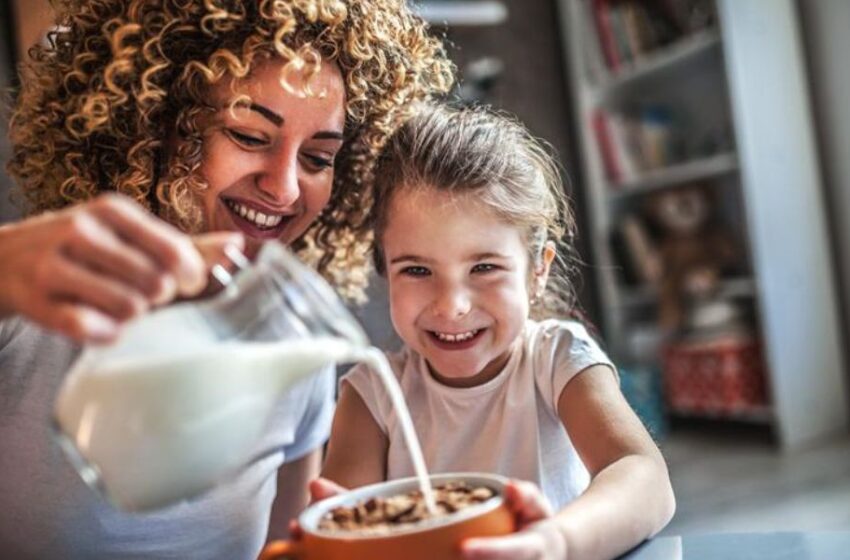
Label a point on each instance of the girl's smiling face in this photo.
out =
(458, 280)
(269, 164)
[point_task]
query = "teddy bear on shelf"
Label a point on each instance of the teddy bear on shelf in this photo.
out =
(695, 250)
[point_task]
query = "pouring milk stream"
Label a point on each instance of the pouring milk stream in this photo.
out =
(180, 401)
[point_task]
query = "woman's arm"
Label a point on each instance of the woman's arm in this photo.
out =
(357, 451)
(630, 497)
(293, 481)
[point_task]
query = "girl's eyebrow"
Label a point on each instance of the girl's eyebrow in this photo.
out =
(488, 255)
(412, 258)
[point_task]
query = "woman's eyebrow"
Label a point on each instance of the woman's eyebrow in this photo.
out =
(278, 121)
(270, 115)
(329, 135)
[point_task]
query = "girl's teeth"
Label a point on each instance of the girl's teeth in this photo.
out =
(460, 337)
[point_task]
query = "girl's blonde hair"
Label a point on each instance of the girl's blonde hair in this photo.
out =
(492, 158)
(116, 100)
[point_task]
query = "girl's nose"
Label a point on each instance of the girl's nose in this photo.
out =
(452, 302)
(278, 180)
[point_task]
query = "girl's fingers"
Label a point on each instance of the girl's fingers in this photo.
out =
(322, 488)
(519, 546)
(527, 502)
(295, 531)
(171, 249)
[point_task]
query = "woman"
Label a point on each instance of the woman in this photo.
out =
(257, 117)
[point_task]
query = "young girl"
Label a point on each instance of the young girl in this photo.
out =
(468, 214)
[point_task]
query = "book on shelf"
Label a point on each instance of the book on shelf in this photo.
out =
(626, 30)
(641, 251)
(632, 144)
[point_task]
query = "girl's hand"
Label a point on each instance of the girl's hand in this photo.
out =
(85, 270)
(538, 537)
(322, 488)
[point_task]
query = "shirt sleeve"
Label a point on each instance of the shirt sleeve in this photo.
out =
(314, 429)
(370, 388)
(564, 349)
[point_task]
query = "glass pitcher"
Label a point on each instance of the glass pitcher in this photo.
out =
(180, 400)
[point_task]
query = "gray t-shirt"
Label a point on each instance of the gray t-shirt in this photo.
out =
(46, 511)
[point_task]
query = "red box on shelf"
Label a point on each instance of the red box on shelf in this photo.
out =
(721, 376)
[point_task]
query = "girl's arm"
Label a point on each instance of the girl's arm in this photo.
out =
(357, 450)
(630, 497)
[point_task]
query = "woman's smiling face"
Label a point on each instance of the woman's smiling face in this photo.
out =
(269, 164)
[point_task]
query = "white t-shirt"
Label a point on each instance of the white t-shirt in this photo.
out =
(509, 425)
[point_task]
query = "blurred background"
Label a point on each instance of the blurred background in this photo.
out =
(705, 149)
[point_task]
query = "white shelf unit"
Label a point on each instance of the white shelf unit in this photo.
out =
(750, 72)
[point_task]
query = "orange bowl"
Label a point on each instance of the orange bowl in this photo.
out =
(425, 540)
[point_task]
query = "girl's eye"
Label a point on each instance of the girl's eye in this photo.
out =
(415, 271)
(318, 162)
(245, 139)
(484, 267)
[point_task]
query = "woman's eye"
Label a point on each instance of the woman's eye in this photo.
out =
(245, 139)
(484, 267)
(319, 162)
(415, 271)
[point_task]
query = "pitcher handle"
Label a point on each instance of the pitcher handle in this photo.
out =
(277, 550)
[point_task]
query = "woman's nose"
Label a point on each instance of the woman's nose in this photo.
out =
(278, 179)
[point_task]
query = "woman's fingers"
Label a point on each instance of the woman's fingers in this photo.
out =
(73, 283)
(212, 246)
(77, 322)
(171, 250)
(85, 270)
(98, 248)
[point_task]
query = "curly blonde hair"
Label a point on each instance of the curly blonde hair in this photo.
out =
(119, 78)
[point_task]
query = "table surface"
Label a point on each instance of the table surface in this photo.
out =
(747, 546)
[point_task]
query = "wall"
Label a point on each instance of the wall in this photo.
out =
(534, 88)
(825, 24)
(7, 46)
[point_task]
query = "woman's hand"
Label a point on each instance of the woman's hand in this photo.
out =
(538, 537)
(85, 270)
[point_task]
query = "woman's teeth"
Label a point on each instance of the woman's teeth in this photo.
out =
(258, 218)
(458, 337)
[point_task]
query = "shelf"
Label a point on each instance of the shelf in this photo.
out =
(651, 181)
(462, 13)
(642, 296)
(665, 60)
